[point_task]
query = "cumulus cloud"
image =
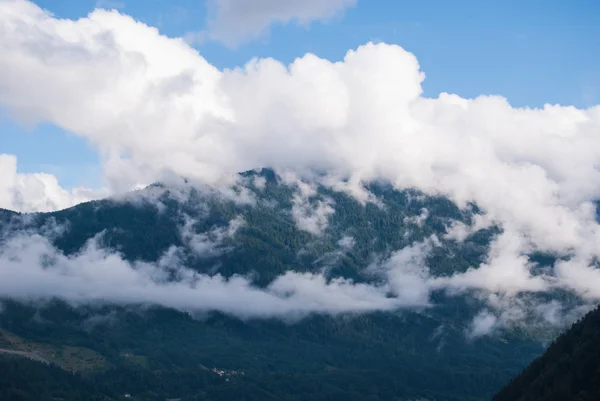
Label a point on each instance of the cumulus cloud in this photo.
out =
(37, 192)
(236, 21)
(152, 105)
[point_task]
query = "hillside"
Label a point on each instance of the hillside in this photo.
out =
(568, 370)
(395, 344)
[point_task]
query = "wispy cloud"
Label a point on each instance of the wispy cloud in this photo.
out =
(234, 22)
(310, 212)
(31, 268)
(209, 244)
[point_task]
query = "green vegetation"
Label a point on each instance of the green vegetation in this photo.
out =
(382, 356)
(568, 370)
(73, 359)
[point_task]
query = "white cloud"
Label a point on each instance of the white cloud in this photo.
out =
(31, 269)
(346, 243)
(527, 312)
(483, 324)
(576, 274)
(418, 220)
(259, 182)
(459, 231)
(37, 192)
(407, 273)
(312, 219)
(310, 213)
(209, 244)
(237, 21)
(507, 270)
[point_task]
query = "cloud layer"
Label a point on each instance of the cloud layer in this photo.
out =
(32, 269)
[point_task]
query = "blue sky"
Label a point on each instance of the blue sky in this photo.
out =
(532, 52)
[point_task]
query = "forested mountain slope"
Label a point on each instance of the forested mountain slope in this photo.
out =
(568, 370)
(300, 293)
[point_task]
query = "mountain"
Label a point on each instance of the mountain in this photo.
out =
(568, 370)
(275, 289)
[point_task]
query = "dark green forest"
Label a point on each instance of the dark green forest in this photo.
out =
(160, 353)
(105, 351)
(568, 370)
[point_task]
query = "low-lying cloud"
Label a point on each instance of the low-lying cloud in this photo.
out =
(32, 269)
(209, 244)
(310, 213)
